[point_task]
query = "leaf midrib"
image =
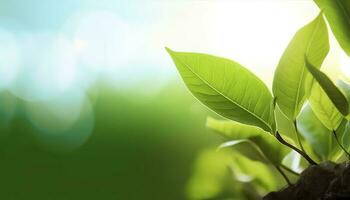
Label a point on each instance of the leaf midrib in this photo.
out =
(256, 116)
(303, 69)
(324, 111)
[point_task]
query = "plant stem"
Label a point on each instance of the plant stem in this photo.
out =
(341, 146)
(298, 136)
(283, 174)
(290, 170)
(307, 157)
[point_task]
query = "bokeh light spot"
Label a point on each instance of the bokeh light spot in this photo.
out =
(10, 58)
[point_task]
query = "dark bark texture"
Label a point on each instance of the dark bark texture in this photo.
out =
(326, 181)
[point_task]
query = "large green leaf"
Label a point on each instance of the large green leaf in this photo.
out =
(323, 108)
(227, 88)
(292, 80)
(337, 13)
(334, 94)
(250, 141)
(320, 138)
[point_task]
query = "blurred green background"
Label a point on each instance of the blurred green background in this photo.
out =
(67, 131)
(139, 148)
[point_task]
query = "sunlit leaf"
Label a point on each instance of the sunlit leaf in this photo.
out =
(233, 130)
(285, 126)
(250, 141)
(333, 93)
(343, 133)
(337, 13)
(321, 139)
(247, 148)
(293, 162)
(227, 88)
(345, 88)
(324, 109)
(261, 175)
(291, 81)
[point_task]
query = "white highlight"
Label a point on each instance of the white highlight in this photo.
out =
(48, 69)
(9, 59)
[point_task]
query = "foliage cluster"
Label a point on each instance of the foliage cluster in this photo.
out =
(306, 112)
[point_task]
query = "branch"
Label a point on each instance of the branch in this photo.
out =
(307, 157)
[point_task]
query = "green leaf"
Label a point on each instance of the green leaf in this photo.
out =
(233, 130)
(334, 94)
(261, 175)
(345, 88)
(292, 81)
(343, 133)
(321, 139)
(227, 88)
(324, 109)
(229, 175)
(250, 141)
(212, 176)
(285, 126)
(337, 13)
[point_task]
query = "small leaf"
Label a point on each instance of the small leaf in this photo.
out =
(293, 162)
(337, 13)
(320, 138)
(247, 148)
(291, 81)
(345, 88)
(333, 93)
(344, 128)
(323, 108)
(285, 126)
(232, 130)
(262, 175)
(343, 133)
(213, 173)
(227, 88)
(212, 176)
(250, 141)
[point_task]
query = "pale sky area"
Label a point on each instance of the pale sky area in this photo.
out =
(123, 43)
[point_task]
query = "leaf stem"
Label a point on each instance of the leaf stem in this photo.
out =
(290, 170)
(341, 146)
(283, 174)
(298, 136)
(307, 157)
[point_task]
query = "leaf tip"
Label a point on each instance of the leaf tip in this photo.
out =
(209, 122)
(169, 50)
